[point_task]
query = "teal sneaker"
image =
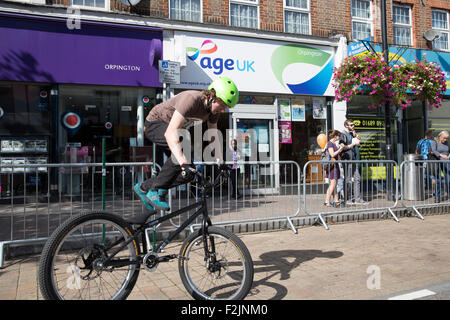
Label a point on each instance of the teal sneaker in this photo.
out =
(158, 199)
(141, 195)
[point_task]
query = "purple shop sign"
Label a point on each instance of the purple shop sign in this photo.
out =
(46, 50)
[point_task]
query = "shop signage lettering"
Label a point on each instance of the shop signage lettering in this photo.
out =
(218, 64)
(372, 138)
(255, 65)
(122, 67)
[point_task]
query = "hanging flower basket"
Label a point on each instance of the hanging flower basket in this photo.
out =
(400, 85)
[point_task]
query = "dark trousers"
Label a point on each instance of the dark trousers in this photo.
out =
(170, 174)
(234, 174)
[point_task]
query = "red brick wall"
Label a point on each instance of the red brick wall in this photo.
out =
(216, 12)
(328, 17)
(271, 15)
(421, 19)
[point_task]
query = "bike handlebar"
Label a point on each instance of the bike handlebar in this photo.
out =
(224, 172)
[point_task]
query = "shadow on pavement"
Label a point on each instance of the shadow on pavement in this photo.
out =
(280, 262)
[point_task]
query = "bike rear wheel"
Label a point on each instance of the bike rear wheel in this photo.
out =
(224, 273)
(70, 266)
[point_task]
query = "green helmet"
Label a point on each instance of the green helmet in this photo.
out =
(226, 90)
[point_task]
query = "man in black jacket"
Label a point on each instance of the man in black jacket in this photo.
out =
(350, 143)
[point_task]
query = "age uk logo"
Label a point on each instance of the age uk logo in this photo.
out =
(218, 64)
(207, 47)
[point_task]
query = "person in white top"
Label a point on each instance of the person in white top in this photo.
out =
(235, 169)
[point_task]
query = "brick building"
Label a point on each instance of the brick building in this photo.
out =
(96, 61)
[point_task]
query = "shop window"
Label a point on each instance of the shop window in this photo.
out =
(244, 13)
(370, 125)
(439, 22)
(361, 19)
(360, 105)
(439, 118)
(297, 16)
(413, 126)
(25, 109)
(188, 10)
(306, 124)
(109, 112)
(402, 25)
(255, 99)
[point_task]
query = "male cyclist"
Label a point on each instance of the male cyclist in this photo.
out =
(161, 127)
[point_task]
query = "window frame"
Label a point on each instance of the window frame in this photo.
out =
(447, 31)
(249, 3)
(409, 26)
(107, 6)
(362, 20)
(299, 10)
(30, 1)
(201, 13)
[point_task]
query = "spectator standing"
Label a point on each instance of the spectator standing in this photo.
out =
(423, 148)
(349, 141)
(333, 170)
(235, 169)
(440, 149)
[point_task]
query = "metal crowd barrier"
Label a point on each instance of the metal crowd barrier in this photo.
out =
(36, 199)
(425, 183)
(268, 191)
(377, 186)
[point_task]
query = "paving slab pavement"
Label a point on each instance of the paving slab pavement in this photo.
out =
(354, 260)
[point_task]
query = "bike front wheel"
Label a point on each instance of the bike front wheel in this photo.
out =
(217, 266)
(71, 265)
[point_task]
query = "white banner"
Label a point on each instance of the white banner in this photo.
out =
(256, 65)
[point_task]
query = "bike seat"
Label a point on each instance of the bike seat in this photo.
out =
(140, 218)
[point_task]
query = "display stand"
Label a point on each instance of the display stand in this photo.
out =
(16, 151)
(314, 171)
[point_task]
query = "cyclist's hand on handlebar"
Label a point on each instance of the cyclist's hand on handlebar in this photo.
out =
(187, 171)
(223, 167)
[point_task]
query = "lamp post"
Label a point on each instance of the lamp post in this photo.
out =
(387, 106)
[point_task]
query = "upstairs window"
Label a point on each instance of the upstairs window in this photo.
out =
(402, 25)
(297, 16)
(188, 10)
(361, 19)
(439, 22)
(91, 4)
(244, 13)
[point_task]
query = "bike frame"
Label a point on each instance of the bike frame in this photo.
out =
(206, 223)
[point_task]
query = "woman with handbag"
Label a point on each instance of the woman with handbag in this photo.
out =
(333, 172)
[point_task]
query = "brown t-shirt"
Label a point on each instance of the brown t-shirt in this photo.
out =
(188, 103)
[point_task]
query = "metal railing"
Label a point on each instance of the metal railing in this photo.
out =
(37, 198)
(268, 190)
(361, 186)
(425, 183)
